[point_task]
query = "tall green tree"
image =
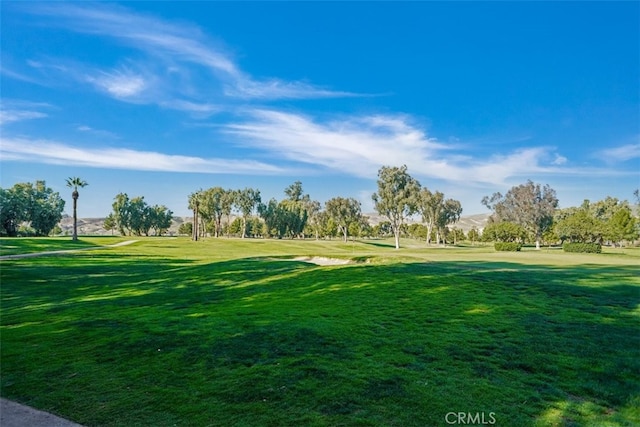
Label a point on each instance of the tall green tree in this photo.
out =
(345, 212)
(227, 201)
(141, 217)
(246, 201)
(122, 213)
(75, 183)
(622, 226)
(289, 216)
(211, 208)
(273, 220)
(294, 191)
(430, 206)
(110, 223)
(314, 220)
(45, 210)
(397, 197)
(449, 214)
(194, 200)
(529, 205)
(161, 218)
(13, 210)
(32, 203)
(579, 225)
(504, 231)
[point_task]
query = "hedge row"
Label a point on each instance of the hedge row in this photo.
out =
(507, 246)
(592, 248)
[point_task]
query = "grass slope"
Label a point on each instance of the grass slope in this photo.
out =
(230, 332)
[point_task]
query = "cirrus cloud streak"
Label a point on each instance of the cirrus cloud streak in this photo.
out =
(360, 145)
(56, 153)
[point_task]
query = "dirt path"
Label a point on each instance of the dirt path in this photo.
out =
(65, 251)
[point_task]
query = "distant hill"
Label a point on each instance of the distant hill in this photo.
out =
(466, 223)
(94, 226)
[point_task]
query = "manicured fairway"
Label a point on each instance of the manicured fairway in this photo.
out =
(235, 333)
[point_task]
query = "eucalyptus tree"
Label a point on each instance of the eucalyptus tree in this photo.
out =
(344, 212)
(194, 205)
(122, 213)
(430, 206)
(314, 217)
(211, 207)
(397, 197)
(75, 182)
(246, 200)
(449, 214)
(529, 205)
(227, 201)
(161, 218)
(110, 223)
(294, 191)
(272, 217)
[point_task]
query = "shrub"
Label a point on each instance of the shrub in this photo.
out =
(507, 246)
(592, 248)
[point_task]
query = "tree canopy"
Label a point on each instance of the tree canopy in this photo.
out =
(32, 205)
(396, 198)
(344, 212)
(529, 205)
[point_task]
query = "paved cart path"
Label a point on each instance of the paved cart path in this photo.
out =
(14, 414)
(65, 251)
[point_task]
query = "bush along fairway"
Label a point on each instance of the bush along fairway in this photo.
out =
(230, 332)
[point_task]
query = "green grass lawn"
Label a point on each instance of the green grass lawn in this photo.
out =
(234, 333)
(16, 246)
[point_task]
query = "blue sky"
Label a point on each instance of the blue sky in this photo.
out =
(160, 99)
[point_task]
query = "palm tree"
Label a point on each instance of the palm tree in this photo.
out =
(75, 183)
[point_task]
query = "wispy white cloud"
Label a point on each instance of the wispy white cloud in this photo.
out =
(17, 75)
(15, 110)
(53, 152)
(8, 116)
(245, 87)
(199, 109)
(97, 132)
(621, 153)
(559, 160)
(359, 146)
(120, 83)
(173, 43)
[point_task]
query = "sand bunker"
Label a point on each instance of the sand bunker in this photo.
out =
(318, 260)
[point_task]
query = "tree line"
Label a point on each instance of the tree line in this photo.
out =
(135, 216)
(526, 213)
(399, 196)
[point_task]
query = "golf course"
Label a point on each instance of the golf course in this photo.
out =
(239, 332)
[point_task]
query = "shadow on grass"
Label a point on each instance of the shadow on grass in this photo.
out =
(17, 245)
(379, 244)
(262, 342)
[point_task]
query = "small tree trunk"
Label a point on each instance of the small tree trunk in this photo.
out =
(75, 215)
(195, 223)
